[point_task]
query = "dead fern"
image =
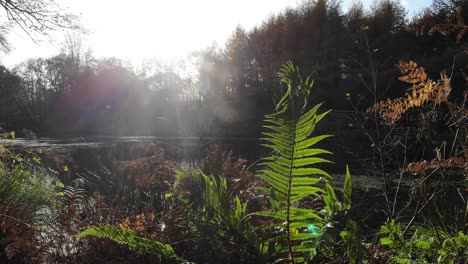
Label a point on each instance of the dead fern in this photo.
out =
(422, 92)
(420, 168)
(16, 236)
(144, 224)
(152, 172)
(235, 170)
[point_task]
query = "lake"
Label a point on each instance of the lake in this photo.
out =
(97, 154)
(184, 149)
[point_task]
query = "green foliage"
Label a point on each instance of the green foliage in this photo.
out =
(298, 89)
(347, 190)
(290, 173)
(333, 211)
(352, 238)
(453, 248)
(132, 240)
(29, 203)
(424, 245)
(209, 197)
(23, 182)
(332, 205)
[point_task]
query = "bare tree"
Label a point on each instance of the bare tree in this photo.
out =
(36, 17)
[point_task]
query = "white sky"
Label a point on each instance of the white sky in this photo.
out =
(163, 29)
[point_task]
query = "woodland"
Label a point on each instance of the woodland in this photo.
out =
(331, 96)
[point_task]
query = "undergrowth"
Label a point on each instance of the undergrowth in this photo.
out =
(153, 210)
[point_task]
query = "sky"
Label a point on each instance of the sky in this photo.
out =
(157, 29)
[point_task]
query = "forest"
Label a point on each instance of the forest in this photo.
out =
(359, 152)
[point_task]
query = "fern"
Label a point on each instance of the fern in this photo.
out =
(422, 92)
(290, 173)
(209, 196)
(132, 240)
(351, 236)
(347, 190)
(332, 206)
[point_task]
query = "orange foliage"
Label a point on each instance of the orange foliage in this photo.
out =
(223, 164)
(142, 223)
(153, 172)
(453, 162)
(16, 236)
(422, 92)
(425, 92)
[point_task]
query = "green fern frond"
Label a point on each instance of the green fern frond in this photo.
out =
(131, 239)
(213, 200)
(332, 204)
(347, 190)
(290, 173)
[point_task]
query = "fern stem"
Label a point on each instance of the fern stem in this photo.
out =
(288, 209)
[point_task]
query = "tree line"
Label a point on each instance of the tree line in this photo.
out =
(351, 55)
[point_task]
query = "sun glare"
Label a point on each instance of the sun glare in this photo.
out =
(140, 29)
(158, 29)
(166, 29)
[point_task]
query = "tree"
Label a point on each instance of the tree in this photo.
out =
(446, 10)
(11, 113)
(388, 16)
(238, 63)
(36, 17)
(77, 50)
(355, 17)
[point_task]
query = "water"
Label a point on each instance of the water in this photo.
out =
(97, 153)
(184, 149)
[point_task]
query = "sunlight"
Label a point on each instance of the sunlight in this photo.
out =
(167, 29)
(222, 131)
(151, 32)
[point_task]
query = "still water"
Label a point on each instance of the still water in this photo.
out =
(183, 149)
(92, 154)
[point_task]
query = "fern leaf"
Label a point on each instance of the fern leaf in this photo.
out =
(276, 159)
(131, 239)
(310, 152)
(310, 142)
(331, 201)
(305, 181)
(281, 130)
(310, 171)
(305, 118)
(278, 168)
(280, 138)
(347, 190)
(284, 152)
(290, 173)
(309, 161)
